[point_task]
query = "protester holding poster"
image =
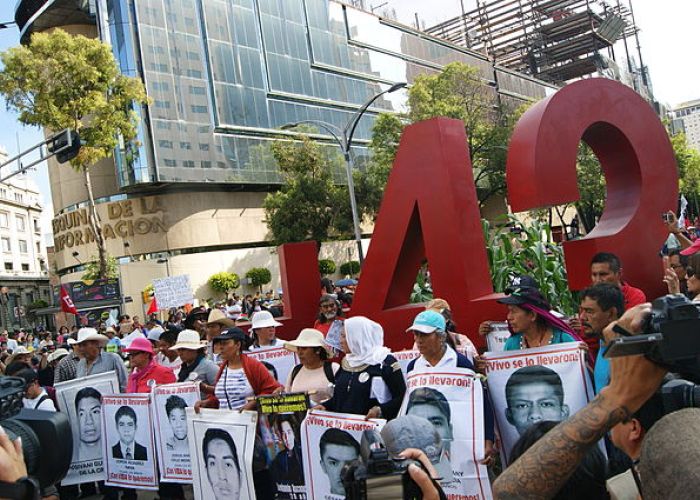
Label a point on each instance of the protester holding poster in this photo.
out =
(278, 360)
(240, 377)
(330, 441)
(128, 445)
(147, 373)
(195, 365)
(81, 401)
(533, 324)
(169, 405)
(263, 330)
(222, 444)
(369, 381)
(315, 375)
(533, 385)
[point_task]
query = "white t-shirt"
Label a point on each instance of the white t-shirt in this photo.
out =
(46, 404)
(275, 343)
(232, 389)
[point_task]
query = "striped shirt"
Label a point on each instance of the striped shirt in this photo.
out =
(232, 389)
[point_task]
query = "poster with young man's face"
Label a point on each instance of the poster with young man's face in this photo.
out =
(329, 442)
(282, 360)
(281, 434)
(169, 405)
(452, 400)
(221, 452)
(128, 443)
(81, 401)
(529, 386)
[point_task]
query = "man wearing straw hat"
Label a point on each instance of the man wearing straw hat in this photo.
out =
(217, 322)
(94, 360)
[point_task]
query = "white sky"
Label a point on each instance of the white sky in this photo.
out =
(669, 31)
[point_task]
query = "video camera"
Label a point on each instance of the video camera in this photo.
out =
(376, 475)
(670, 337)
(46, 436)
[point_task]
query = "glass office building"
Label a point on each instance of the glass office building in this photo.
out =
(224, 75)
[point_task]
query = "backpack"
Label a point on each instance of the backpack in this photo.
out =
(327, 370)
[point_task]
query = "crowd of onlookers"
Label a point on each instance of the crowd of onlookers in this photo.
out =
(208, 346)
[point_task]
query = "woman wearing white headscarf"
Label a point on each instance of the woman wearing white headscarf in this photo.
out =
(369, 381)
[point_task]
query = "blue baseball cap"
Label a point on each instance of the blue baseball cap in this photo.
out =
(428, 322)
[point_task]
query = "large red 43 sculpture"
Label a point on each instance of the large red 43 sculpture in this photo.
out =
(430, 210)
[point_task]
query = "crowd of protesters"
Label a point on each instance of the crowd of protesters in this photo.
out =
(208, 345)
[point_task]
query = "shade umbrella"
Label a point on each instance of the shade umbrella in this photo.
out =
(346, 282)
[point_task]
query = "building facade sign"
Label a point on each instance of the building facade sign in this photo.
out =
(124, 219)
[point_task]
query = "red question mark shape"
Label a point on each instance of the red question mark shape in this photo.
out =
(638, 162)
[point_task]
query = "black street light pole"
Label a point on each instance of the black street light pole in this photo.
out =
(344, 139)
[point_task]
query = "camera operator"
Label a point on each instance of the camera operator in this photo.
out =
(633, 380)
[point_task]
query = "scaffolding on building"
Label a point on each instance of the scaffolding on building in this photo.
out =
(553, 40)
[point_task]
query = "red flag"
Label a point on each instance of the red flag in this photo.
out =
(67, 303)
(153, 308)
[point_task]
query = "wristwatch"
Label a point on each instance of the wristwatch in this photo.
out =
(25, 488)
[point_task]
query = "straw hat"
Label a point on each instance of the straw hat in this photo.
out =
(217, 316)
(263, 319)
(188, 339)
(308, 337)
(57, 354)
(89, 334)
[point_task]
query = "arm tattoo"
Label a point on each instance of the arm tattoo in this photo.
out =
(543, 469)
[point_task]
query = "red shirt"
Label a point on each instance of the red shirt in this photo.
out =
(158, 373)
(633, 296)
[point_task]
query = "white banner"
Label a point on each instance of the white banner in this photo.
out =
(221, 450)
(81, 401)
(405, 357)
(168, 408)
(452, 400)
(329, 442)
(533, 385)
(282, 359)
(128, 445)
(497, 336)
(173, 291)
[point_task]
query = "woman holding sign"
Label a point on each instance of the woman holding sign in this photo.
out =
(369, 381)
(315, 374)
(263, 328)
(429, 330)
(239, 377)
(531, 322)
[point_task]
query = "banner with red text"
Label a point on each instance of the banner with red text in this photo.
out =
(282, 359)
(452, 399)
(81, 400)
(128, 444)
(329, 442)
(533, 385)
(405, 357)
(168, 408)
(221, 451)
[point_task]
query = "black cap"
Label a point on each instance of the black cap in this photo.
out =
(528, 295)
(521, 281)
(233, 333)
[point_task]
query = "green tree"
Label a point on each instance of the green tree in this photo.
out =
(259, 276)
(93, 269)
(350, 268)
(456, 92)
(688, 161)
(224, 282)
(62, 81)
(591, 186)
(326, 266)
(308, 206)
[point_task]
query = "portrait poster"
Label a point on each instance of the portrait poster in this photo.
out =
(282, 359)
(452, 400)
(128, 443)
(405, 357)
(497, 336)
(168, 407)
(532, 385)
(221, 451)
(81, 400)
(285, 452)
(330, 441)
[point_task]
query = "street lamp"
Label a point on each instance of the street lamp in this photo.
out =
(167, 265)
(344, 139)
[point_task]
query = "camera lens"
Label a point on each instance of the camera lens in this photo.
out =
(30, 443)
